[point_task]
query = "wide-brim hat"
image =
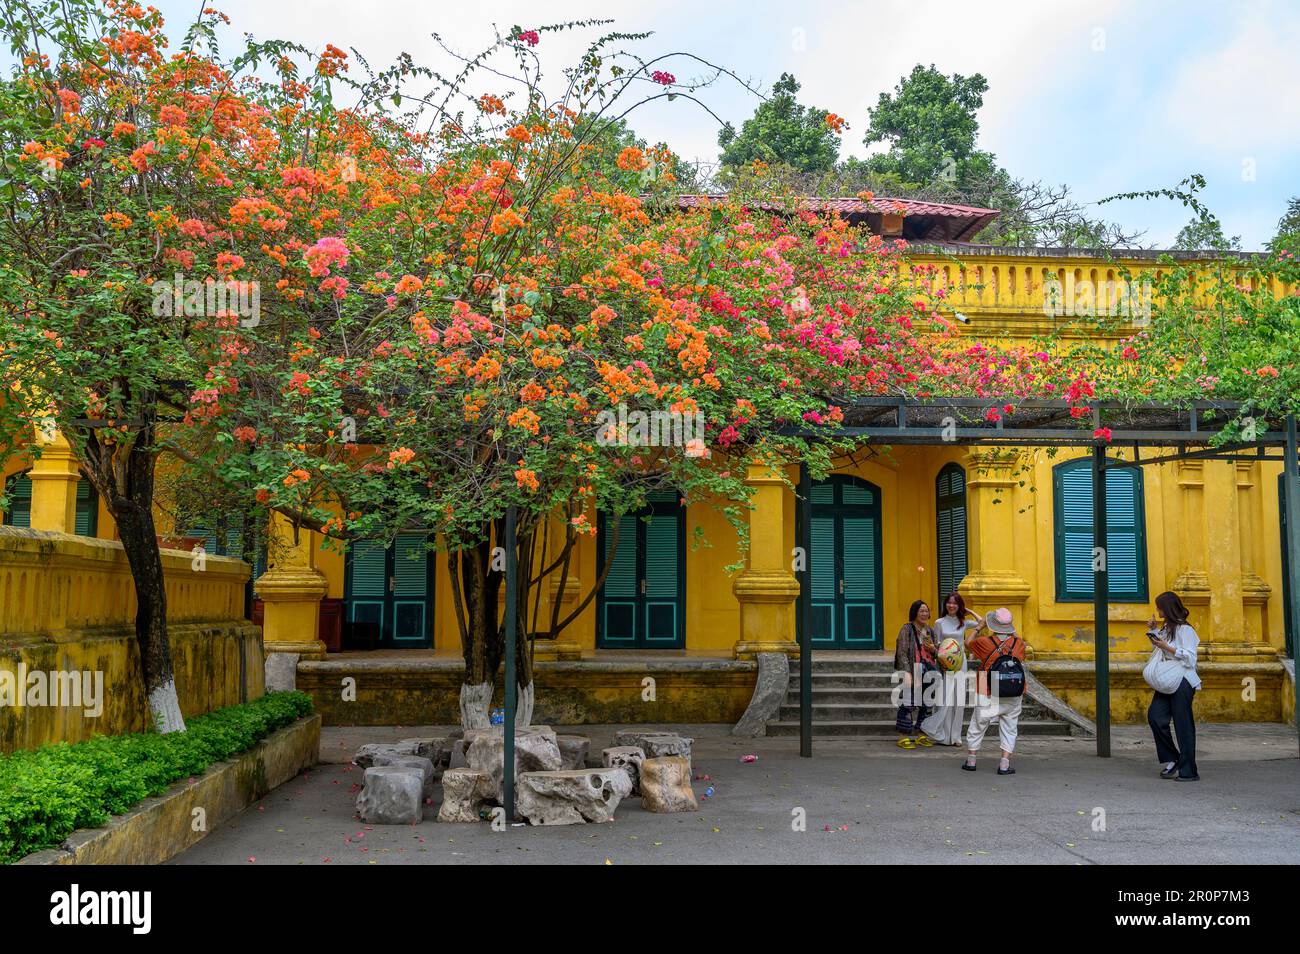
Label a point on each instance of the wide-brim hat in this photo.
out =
(1000, 621)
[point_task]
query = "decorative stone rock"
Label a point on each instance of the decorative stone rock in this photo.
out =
(769, 692)
(655, 744)
(392, 795)
(629, 759)
(536, 750)
(571, 797)
(423, 765)
(436, 749)
(573, 751)
(365, 756)
(465, 793)
(666, 785)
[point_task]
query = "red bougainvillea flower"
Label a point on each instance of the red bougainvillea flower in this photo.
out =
(1102, 434)
(529, 36)
(663, 78)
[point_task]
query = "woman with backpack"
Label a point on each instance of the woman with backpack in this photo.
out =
(944, 724)
(1171, 672)
(1000, 687)
(914, 657)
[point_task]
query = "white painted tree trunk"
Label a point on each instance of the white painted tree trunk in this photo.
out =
(524, 704)
(166, 708)
(475, 703)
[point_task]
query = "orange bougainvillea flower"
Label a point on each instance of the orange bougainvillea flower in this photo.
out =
(527, 479)
(632, 159)
(408, 284)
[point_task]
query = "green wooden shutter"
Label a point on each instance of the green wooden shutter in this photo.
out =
(1125, 547)
(662, 542)
(823, 576)
(410, 588)
(950, 513)
(19, 513)
(620, 590)
(367, 583)
(1125, 533)
(87, 509)
(861, 577)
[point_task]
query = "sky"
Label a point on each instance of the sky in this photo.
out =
(1104, 96)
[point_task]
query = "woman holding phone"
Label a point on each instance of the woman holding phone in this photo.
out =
(1171, 672)
(913, 657)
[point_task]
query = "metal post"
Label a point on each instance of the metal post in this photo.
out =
(804, 614)
(1291, 480)
(511, 638)
(1101, 599)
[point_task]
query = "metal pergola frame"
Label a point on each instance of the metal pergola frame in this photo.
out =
(1189, 429)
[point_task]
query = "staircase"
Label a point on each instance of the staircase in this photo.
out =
(850, 697)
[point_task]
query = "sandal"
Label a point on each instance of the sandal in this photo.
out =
(926, 741)
(906, 743)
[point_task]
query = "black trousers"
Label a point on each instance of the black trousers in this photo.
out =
(1178, 706)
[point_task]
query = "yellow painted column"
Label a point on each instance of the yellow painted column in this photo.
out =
(54, 478)
(993, 575)
(567, 591)
(1255, 591)
(1193, 581)
(291, 591)
(767, 588)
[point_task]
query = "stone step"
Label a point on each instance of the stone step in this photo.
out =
(867, 712)
(882, 728)
(845, 694)
(845, 680)
(846, 665)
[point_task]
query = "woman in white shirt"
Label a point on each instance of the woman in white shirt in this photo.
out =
(1172, 674)
(944, 724)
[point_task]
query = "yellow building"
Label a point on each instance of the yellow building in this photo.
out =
(1006, 526)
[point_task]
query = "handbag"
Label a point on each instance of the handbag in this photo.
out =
(1161, 674)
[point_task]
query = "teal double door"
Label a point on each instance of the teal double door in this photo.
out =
(845, 568)
(642, 604)
(388, 590)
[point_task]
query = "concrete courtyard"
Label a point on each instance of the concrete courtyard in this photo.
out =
(862, 801)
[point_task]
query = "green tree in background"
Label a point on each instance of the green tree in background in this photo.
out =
(1288, 227)
(783, 132)
(929, 125)
(1205, 235)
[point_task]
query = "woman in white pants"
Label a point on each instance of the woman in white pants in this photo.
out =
(944, 724)
(1002, 639)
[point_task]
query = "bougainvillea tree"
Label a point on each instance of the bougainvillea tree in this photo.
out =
(422, 307)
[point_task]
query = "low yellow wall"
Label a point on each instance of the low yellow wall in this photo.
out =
(426, 691)
(67, 606)
(1230, 691)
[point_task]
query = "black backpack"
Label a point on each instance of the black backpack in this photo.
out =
(1006, 672)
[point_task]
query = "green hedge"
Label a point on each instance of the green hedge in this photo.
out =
(50, 792)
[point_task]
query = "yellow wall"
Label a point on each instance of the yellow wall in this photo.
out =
(67, 604)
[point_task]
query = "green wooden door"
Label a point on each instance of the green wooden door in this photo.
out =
(845, 565)
(641, 604)
(390, 589)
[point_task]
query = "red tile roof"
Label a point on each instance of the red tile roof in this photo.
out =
(929, 220)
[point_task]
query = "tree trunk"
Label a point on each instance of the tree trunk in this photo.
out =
(133, 511)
